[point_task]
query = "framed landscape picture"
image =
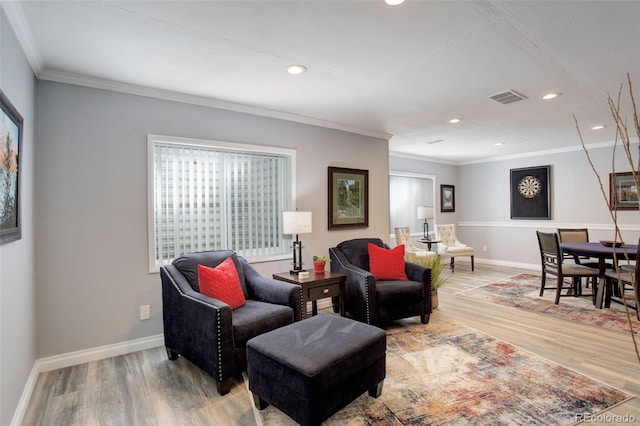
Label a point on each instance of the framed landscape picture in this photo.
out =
(623, 191)
(348, 198)
(10, 148)
(530, 193)
(447, 198)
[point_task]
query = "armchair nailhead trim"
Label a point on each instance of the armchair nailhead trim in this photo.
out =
(366, 298)
(219, 326)
(302, 305)
(218, 320)
(366, 287)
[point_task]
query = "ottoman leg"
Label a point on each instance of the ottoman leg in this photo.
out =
(260, 403)
(376, 391)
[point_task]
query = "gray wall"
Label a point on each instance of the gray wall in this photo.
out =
(17, 287)
(483, 202)
(576, 201)
(91, 162)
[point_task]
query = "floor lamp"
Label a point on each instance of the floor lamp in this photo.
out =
(296, 223)
(426, 213)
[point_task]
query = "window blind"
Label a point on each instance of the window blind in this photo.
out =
(211, 198)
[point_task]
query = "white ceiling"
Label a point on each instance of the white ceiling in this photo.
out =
(373, 69)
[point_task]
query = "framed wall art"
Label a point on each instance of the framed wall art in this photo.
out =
(530, 193)
(10, 148)
(447, 198)
(348, 198)
(623, 191)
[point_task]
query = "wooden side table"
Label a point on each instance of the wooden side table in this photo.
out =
(317, 286)
(429, 242)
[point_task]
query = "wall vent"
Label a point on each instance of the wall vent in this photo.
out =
(508, 97)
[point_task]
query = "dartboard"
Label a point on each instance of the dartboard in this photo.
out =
(529, 186)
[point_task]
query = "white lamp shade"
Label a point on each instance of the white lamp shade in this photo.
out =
(296, 222)
(425, 212)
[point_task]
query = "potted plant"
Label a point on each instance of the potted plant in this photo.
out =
(438, 275)
(319, 263)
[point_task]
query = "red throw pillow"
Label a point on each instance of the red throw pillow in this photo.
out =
(387, 264)
(222, 283)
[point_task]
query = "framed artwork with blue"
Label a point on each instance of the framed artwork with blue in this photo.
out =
(11, 124)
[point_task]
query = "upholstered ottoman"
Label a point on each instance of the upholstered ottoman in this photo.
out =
(313, 368)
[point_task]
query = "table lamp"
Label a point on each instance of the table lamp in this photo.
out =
(426, 213)
(296, 223)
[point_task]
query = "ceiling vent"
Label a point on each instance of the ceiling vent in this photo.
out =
(508, 97)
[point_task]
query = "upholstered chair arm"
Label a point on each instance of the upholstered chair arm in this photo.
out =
(421, 274)
(416, 272)
(459, 244)
(360, 286)
(194, 323)
(273, 291)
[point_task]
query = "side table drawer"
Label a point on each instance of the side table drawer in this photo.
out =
(324, 291)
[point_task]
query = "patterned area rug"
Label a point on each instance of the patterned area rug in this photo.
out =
(445, 373)
(523, 291)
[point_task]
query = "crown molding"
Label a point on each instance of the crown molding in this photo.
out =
(404, 155)
(573, 148)
(16, 18)
(132, 89)
(548, 152)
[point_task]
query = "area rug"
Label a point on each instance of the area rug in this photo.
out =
(444, 373)
(522, 291)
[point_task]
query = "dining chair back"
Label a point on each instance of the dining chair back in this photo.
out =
(573, 235)
(553, 264)
(577, 235)
(629, 276)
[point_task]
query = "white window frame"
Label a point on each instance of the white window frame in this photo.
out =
(434, 196)
(152, 139)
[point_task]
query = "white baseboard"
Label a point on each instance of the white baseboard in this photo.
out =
(102, 352)
(23, 402)
(533, 266)
(78, 357)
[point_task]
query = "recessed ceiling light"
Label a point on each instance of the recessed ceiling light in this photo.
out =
(296, 69)
(499, 143)
(598, 127)
(551, 95)
(455, 120)
(394, 2)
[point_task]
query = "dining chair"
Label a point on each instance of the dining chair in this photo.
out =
(553, 264)
(627, 279)
(577, 235)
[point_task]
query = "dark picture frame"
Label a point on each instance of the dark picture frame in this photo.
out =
(348, 198)
(447, 198)
(623, 191)
(11, 124)
(530, 193)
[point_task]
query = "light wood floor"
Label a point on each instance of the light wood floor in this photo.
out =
(144, 388)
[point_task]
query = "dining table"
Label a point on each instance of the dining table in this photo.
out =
(602, 251)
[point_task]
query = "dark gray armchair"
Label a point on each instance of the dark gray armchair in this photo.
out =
(207, 331)
(376, 301)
